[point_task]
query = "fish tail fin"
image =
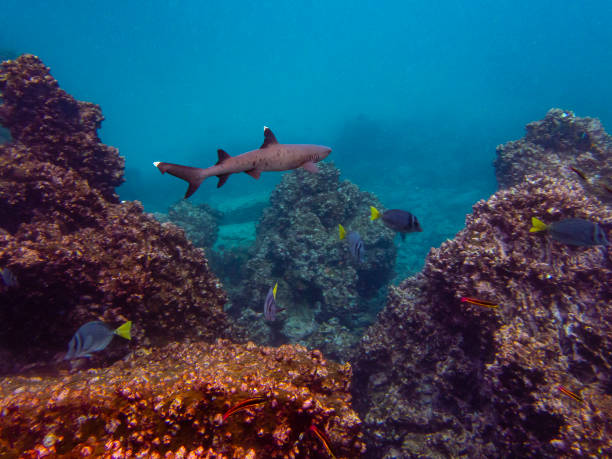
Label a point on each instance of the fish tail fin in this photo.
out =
(124, 330)
(537, 225)
(342, 231)
(193, 175)
(274, 290)
(374, 213)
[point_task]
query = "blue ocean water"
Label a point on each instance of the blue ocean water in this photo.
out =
(412, 96)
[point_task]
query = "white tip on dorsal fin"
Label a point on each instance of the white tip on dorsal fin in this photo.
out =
(269, 138)
(156, 163)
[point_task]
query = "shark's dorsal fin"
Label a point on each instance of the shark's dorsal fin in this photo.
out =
(269, 138)
(222, 156)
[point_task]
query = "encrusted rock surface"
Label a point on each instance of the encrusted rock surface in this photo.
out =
(200, 222)
(76, 252)
(437, 377)
(552, 145)
(298, 245)
(169, 402)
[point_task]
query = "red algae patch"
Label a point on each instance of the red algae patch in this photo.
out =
(170, 402)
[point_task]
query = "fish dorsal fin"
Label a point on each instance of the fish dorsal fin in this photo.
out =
(222, 156)
(269, 138)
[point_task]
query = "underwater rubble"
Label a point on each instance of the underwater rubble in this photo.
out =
(560, 145)
(77, 253)
(169, 402)
(436, 377)
(326, 292)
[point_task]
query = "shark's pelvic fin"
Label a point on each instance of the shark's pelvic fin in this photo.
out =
(269, 138)
(222, 179)
(193, 175)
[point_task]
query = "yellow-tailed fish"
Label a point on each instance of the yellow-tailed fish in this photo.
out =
(342, 231)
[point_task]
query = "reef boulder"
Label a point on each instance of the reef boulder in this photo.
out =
(438, 377)
(76, 252)
(322, 286)
(555, 145)
(170, 402)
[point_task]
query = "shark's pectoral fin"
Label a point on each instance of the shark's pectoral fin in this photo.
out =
(222, 179)
(255, 173)
(269, 138)
(310, 167)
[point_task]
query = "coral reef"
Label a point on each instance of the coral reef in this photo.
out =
(169, 403)
(551, 146)
(298, 245)
(437, 377)
(77, 253)
(200, 222)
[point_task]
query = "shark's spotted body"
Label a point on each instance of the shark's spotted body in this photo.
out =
(271, 156)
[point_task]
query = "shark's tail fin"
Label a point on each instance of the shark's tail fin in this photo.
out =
(194, 175)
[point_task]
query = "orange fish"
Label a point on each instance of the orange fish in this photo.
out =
(322, 438)
(243, 405)
(581, 174)
(477, 302)
(569, 393)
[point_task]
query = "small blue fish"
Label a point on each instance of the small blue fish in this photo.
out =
(8, 278)
(93, 337)
(270, 307)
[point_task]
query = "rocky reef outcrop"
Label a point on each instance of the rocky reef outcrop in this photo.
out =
(556, 144)
(438, 377)
(76, 252)
(170, 402)
(327, 293)
(200, 221)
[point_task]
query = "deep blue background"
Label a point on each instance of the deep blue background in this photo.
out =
(412, 96)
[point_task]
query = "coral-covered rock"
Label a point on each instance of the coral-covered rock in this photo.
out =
(55, 127)
(439, 377)
(200, 222)
(551, 146)
(171, 401)
(298, 245)
(76, 252)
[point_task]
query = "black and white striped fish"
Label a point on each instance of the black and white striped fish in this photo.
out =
(270, 307)
(93, 337)
(356, 247)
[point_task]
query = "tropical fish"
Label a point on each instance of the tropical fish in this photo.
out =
(271, 156)
(243, 405)
(571, 394)
(93, 337)
(322, 438)
(573, 231)
(8, 278)
(398, 220)
(477, 302)
(355, 243)
(270, 307)
(578, 172)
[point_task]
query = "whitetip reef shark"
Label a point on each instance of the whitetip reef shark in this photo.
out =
(271, 156)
